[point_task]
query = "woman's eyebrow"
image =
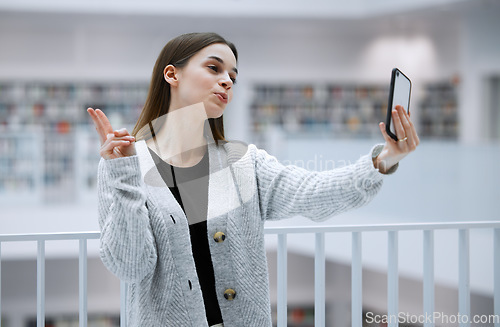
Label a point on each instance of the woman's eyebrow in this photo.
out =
(222, 62)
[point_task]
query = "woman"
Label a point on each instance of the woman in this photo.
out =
(182, 210)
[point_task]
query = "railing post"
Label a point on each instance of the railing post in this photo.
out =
(282, 281)
(463, 278)
(319, 281)
(0, 284)
(40, 284)
(356, 281)
(82, 282)
(429, 277)
(123, 304)
(496, 274)
(392, 279)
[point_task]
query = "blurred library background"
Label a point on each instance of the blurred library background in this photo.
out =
(312, 88)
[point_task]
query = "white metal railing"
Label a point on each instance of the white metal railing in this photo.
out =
(392, 269)
(82, 237)
(357, 231)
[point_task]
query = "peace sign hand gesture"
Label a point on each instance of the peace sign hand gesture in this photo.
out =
(114, 144)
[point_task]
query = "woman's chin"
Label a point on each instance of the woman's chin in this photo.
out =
(214, 112)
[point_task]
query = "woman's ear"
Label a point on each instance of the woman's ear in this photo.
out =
(170, 75)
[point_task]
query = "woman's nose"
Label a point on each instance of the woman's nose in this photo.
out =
(226, 82)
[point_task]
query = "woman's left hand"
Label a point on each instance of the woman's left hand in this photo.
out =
(394, 151)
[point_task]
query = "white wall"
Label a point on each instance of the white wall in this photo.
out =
(480, 60)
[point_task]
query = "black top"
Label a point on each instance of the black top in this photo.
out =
(190, 188)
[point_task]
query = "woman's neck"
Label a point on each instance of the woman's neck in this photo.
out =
(180, 140)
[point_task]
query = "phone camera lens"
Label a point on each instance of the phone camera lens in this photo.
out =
(397, 73)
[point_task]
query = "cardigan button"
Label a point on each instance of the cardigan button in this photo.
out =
(219, 237)
(230, 294)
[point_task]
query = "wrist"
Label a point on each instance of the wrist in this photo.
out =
(382, 161)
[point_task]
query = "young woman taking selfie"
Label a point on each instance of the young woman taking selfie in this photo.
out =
(182, 210)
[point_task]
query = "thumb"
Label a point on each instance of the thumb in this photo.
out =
(386, 136)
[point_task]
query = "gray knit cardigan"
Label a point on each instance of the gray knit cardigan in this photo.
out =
(145, 238)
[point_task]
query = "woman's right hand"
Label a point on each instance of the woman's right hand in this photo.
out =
(114, 144)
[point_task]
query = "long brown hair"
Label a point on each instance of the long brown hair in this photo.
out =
(176, 52)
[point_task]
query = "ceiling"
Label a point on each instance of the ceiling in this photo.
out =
(234, 18)
(236, 8)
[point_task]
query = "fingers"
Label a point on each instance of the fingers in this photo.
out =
(404, 127)
(101, 123)
(386, 136)
(116, 140)
(413, 133)
(398, 124)
(121, 132)
(105, 124)
(112, 146)
(414, 130)
(98, 124)
(114, 143)
(409, 129)
(94, 117)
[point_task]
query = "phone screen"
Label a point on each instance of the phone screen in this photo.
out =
(400, 94)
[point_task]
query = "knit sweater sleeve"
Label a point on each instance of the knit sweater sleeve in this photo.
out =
(287, 191)
(127, 246)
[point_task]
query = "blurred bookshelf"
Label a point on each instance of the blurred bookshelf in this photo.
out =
(297, 316)
(439, 110)
(346, 111)
(328, 110)
(21, 166)
(49, 148)
(73, 321)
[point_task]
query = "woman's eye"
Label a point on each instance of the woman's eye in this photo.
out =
(216, 69)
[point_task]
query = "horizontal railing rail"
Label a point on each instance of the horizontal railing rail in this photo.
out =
(357, 231)
(383, 227)
(49, 237)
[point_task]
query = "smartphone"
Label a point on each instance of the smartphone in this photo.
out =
(399, 94)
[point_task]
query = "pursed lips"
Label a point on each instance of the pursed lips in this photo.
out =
(221, 96)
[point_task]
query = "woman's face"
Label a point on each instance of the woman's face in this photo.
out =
(208, 77)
